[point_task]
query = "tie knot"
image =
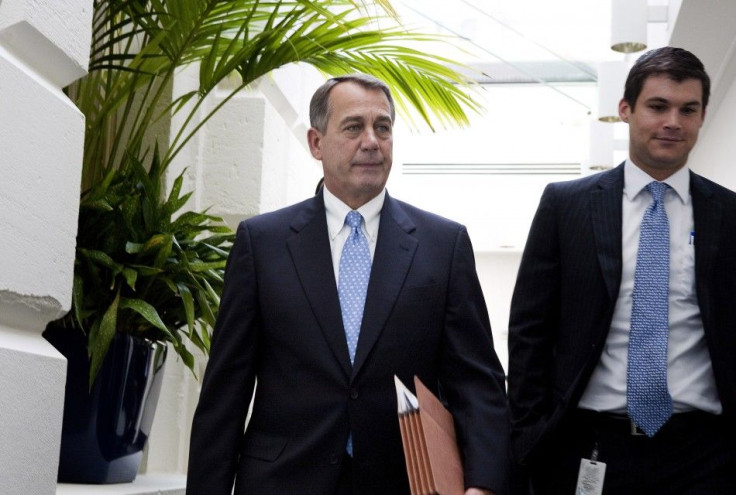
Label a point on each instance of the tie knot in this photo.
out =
(657, 190)
(353, 219)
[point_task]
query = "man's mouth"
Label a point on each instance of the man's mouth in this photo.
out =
(669, 139)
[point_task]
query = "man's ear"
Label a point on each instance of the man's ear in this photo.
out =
(624, 110)
(314, 138)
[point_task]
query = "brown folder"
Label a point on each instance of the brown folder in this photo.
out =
(430, 445)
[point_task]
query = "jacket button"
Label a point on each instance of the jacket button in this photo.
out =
(334, 459)
(353, 394)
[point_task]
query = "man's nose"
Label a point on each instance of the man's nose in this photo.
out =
(673, 119)
(370, 141)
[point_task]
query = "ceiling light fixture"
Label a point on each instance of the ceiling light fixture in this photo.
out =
(629, 25)
(611, 80)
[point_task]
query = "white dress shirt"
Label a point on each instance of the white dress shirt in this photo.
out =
(689, 371)
(336, 212)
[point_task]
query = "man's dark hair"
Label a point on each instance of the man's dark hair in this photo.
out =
(676, 63)
(319, 107)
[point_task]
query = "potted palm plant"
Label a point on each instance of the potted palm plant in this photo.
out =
(143, 278)
(147, 275)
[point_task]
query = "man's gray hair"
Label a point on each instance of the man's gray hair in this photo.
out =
(319, 107)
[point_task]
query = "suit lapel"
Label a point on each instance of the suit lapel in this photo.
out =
(707, 214)
(393, 257)
(310, 250)
(606, 215)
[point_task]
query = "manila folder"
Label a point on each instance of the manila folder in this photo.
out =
(430, 445)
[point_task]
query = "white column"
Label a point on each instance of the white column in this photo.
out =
(44, 46)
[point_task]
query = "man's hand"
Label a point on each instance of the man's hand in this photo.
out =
(478, 491)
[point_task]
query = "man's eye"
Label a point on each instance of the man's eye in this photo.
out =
(657, 108)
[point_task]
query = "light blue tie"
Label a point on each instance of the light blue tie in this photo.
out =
(355, 271)
(649, 401)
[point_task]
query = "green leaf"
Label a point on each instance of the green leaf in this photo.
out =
(176, 188)
(164, 251)
(205, 307)
(133, 247)
(78, 299)
(103, 336)
(130, 277)
(188, 302)
(216, 275)
(213, 296)
(199, 266)
(206, 337)
(185, 356)
(175, 204)
(217, 250)
(156, 243)
(147, 271)
(148, 312)
(98, 204)
(222, 229)
(197, 340)
(101, 258)
(170, 284)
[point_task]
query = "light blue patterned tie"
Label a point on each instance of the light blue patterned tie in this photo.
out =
(355, 270)
(649, 401)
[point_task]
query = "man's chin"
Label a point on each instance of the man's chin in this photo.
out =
(670, 165)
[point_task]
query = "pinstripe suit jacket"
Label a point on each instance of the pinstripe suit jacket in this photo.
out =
(567, 288)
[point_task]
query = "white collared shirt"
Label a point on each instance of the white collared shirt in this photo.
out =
(689, 370)
(336, 212)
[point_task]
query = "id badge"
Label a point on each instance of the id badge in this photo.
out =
(590, 477)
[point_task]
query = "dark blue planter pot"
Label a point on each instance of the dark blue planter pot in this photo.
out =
(106, 428)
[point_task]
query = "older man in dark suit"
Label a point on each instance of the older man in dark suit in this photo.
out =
(324, 302)
(622, 336)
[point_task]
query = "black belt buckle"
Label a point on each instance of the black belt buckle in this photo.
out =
(635, 430)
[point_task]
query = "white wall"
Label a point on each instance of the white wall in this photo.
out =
(716, 149)
(44, 45)
(497, 273)
(708, 29)
(522, 124)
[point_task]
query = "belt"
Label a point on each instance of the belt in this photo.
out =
(620, 423)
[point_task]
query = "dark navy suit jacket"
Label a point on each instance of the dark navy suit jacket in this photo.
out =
(567, 288)
(280, 330)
